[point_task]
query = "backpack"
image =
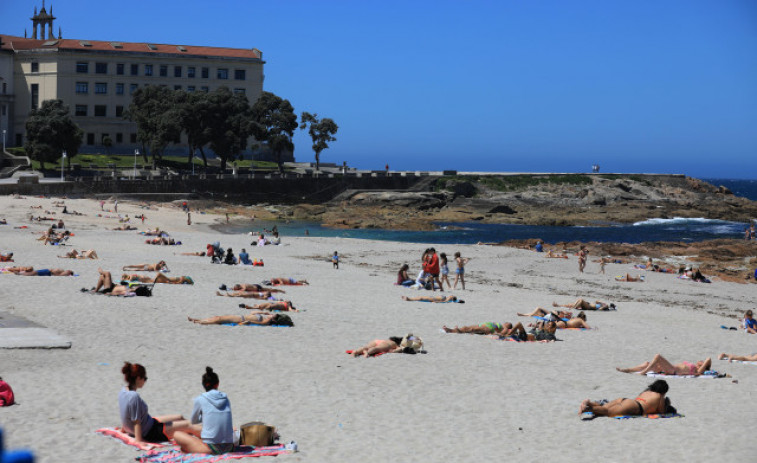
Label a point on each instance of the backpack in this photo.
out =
(283, 320)
(143, 291)
(6, 394)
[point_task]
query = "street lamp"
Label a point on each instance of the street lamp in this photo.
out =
(62, 163)
(3, 140)
(193, 161)
(136, 153)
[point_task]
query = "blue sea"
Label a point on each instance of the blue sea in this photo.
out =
(676, 229)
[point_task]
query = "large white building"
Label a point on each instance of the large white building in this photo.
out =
(96, 79)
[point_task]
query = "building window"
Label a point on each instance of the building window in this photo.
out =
(205, 73)
(204, 88)
(191, 72)
(101, 68)
(90, 138)
(82, 88)
(240, 74)
(35, 66)
(177, 87)
(81, 110)
(120, 69)
(5, 88)
(239, 91)
(177, 71)
(101, 88)
(4, 109)
(132, 138)
(100, 110)
(119, 111)
(148, 69)
(190, 88)
(133, 88)
(82, 67)
(163, 70)
(119, 89)
(35, 96)
(222, 74)
(135, 69)
(119, 138)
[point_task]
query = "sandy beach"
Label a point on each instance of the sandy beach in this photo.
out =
(470, 398)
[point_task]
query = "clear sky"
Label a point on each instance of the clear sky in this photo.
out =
(501, 85)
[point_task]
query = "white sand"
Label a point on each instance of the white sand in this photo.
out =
(470, 398)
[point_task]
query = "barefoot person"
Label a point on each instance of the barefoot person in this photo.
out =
(738, 358)
(258, 317)
(159, 267)
(582, 304)
(460, 270)
(280, 306)
(212, 411)
(579, 321)
(448, 298)
(264, 295)
(651, 400)
(660, 364)
(409, 345)
(47, 272)
(159, 278)
(483, 328)
(285, 282)
(88, 254)
(135, 419)
(252, 287)
(630, 278)
(552, 315)
(105, 282)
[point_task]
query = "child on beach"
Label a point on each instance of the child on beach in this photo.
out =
(445, 271)
(335, 260)
(602, 263)
(460, 271)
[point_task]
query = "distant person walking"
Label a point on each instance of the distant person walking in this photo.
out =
(582, 255)
(335, 260)
(189, 218)
(115, 206)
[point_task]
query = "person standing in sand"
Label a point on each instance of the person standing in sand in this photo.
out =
(583, 253)
(444, 267)
(460, 270)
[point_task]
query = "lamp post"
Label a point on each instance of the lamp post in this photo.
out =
(62, 164)
(3, 140)
(193, 162)
(136, 153)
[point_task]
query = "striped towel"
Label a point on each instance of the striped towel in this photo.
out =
(175, 456)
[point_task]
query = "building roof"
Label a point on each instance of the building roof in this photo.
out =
(21, 43)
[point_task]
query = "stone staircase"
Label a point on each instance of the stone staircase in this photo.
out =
(11, 164)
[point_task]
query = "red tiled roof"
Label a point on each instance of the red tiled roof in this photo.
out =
(21, 43)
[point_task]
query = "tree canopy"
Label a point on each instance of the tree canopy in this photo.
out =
(274, 123)
(50, 131)
(321, 131)
(158, 124)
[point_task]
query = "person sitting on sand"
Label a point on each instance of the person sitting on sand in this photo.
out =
(285, 282)
(660, 364)
(244, 258)
(213, 411)
(45, 272)
(630, 278)
(105, 282)
(651, 400)
(582, 304)
(88, 254)
(484, 328)
(436, 299)
(281, 306)
(159, 267)
(738, 358)
(749, 323)
(159, 278)
(554, 255)
(551, 315)
(258, 317)
(135, 419)
(403, 278)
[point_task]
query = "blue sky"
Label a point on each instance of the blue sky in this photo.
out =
(545, 86)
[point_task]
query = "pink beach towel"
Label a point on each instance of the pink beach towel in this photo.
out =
(175, 456)
(118, 433)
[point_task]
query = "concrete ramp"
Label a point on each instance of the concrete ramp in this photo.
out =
(19, 333)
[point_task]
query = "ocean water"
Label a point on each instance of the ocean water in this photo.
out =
(675, 229)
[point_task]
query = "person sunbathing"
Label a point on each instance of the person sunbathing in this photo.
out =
(651, 400)
(544, 331)
(578, 322)
(379, 346)
(45, 272)
(660, 364)
(630, 278)
(106, 284)
(281, 306)
(447, 298)
(198, 253)
(252, 287)
(6, 257)
(553, 255)
(483, 328)
(247, 294)
(582, 304)
(554, 315)
(159, 267)
(259, 317)
(738, 358)
(285, 281)
(17, 269)
(88, 254)
(162, 241)
(159, 278)
(125, 227)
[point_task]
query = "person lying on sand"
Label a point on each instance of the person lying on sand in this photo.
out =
(264, 295)
(281, 306)
(159, 267)
(579, 321)
(285, 282)
(259, 317)
(88, 254)
(106, 284)
(17, 269)
(124, 228)
(582, 304)
(44, 272)
(738, 358)
(484, 328)
(159, 278)
(544, 331)
(198, 253)
(252, 287)
(408, 345)
(162, 241)
(554, 255)
(651, 400)
(447, 298)
(630, 278)
(553, 315)
(660, 364)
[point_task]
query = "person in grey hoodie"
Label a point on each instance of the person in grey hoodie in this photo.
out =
(213, 410)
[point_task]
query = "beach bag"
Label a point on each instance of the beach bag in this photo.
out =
(143, 291)
(257, 434)
(283, 319)
(411, 344)
(6, 394)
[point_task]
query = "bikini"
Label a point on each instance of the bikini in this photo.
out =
(692, 368)
(638, 401)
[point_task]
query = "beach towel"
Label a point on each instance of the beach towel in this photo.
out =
(119, 434)
(252, 324)
(512, 338)
(652, 416)
(175, 456)
(742, 361)
(548, 319)
(706, 374)
(375, 355)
